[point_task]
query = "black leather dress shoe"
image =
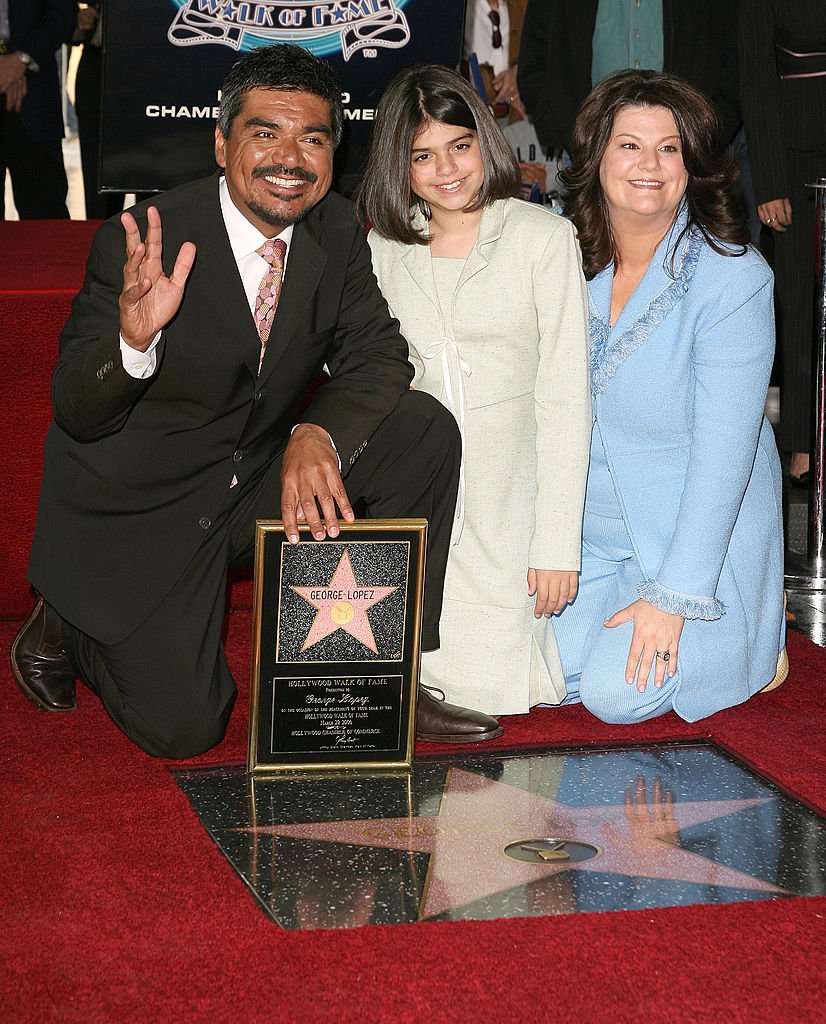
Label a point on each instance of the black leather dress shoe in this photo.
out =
(40, 663)
(440, 722)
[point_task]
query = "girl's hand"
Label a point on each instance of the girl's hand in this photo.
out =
(554, 588)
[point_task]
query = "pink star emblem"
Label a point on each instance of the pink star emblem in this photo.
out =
(478, 818)
(343, 604)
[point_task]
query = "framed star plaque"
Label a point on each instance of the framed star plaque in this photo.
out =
(336, 638)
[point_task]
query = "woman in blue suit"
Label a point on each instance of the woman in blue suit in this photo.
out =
(680, 603)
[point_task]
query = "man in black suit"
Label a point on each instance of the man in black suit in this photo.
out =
(699, 43)
(783, 74)
(175, 428)
(31, 118)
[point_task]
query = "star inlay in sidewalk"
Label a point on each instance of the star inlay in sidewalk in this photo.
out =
(343, 604)
(479, 817)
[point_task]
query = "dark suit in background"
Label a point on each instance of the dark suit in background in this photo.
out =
(31, 141)
(88, 98)
(785, 122)
(137, 521)
(699, 43)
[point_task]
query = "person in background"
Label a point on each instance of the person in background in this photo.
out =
(568, 46)
(88, 100)
(680, 601)
(537, 165)
(87, 104)
(493, 30)
(783, 71)
(31, 117)
(490, 296)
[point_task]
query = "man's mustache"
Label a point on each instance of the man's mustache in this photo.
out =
(282, 171)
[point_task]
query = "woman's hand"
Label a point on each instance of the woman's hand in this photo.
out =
(776, 214)
(654, 631)
(507, 91)
(651, 821)
(554, 588)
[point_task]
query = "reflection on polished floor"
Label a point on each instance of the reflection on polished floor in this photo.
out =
(512, 836)
(806, 605)
(809, 610)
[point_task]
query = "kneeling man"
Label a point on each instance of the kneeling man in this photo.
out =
(175, 427)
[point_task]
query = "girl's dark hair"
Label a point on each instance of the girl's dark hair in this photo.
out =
(713, 207)
(415, 97)
(287, 68)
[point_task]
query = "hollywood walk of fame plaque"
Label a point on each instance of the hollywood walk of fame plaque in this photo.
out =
(336, 638)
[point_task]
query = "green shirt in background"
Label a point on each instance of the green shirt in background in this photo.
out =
(627, 34)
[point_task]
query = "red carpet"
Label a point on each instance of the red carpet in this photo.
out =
(118, 907)
(35, 297)
(44, 256)
(121, 908)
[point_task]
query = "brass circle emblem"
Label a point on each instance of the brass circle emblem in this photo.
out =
(551, 851)
(342, 613)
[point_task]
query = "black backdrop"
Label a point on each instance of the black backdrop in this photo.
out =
(164, 61)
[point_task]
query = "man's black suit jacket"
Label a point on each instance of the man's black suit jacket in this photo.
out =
(699, 44)
(39, 28)
(780, 115)
(137, 472)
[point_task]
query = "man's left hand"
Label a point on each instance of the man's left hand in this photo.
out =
(12, 70)
(15, 94)
(311, 484)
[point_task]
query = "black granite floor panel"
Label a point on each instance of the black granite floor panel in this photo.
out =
(509, 836)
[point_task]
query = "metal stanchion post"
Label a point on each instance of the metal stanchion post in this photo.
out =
(809, 573)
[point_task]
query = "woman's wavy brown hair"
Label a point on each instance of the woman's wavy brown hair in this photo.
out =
(713, 207)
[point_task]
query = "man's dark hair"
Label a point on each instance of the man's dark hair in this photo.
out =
(284, 67)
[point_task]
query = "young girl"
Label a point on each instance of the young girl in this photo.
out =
(491, 297)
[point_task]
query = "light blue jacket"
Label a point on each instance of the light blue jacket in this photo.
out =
(679, 387)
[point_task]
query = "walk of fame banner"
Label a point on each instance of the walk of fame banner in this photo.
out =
(336, 641)
(164, 61)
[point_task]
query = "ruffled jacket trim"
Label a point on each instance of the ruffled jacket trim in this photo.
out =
(607, 355)
(687, 605)
(606, 358)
